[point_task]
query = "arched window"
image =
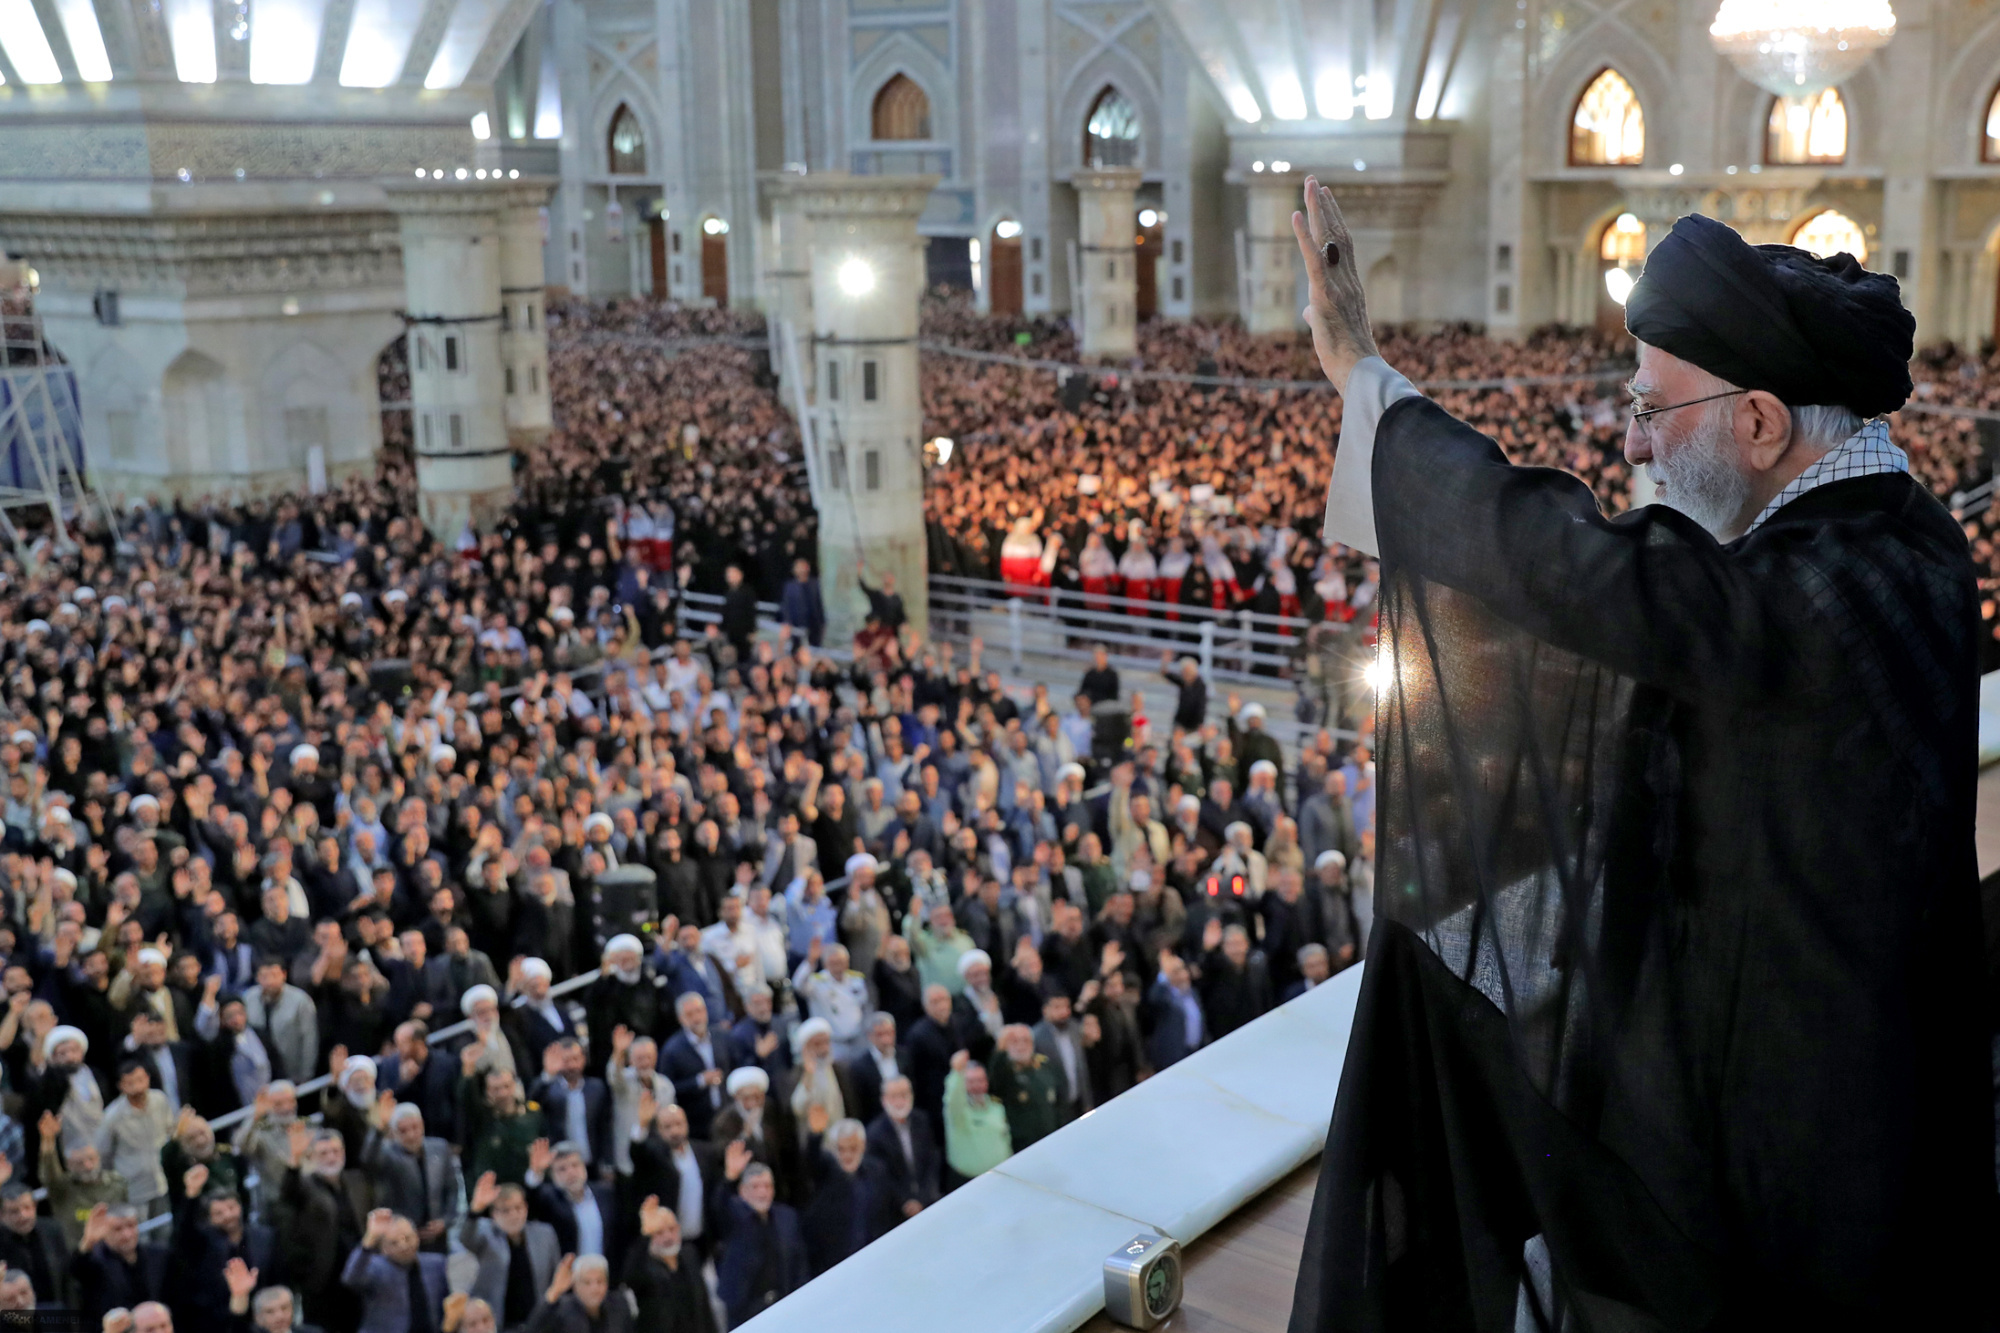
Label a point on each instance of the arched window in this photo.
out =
(1989, 140)
(1830, 233)
(902, 111)
(1624, 240)
(1111, 132)
(628, 144)
(1807, 130)
(1609, 127)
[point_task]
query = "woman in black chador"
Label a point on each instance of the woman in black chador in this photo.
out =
(1673, 1013)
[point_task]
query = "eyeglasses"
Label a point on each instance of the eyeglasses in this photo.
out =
(1641, 416)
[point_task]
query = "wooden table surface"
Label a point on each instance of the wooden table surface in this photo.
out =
(1240, 1275)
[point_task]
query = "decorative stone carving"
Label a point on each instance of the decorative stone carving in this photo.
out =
(225, 255)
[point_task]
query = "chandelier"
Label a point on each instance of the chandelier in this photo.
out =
(1796, 47)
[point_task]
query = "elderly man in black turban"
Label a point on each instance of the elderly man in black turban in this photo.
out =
(1672, 1013)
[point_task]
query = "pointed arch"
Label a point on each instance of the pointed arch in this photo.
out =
(1607, 123)
(901, 110)
(1829, 232)
(1807, 131)
(625, 143)
(1113, 133)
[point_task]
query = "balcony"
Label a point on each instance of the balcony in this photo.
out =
(1218, 1152)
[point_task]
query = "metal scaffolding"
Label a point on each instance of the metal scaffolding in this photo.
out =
(41, 436)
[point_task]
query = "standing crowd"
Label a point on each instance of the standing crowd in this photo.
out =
(406, 934)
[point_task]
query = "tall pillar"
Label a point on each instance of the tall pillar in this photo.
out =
(867, 267)
(788, 294)
(524, 339)
(451, 282)
(1107, 201)
(1268, 288)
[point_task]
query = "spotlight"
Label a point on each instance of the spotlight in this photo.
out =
(1007, 230)
(1149, 217)
(480, 174)
(1256, 166)
(460, 174)
(513, 173)
(1618, 284)
(420, 173)
(482, 126)
(855, 276)
(1676, 169)
(1281, 166)
(1375, 675)
(437, 173)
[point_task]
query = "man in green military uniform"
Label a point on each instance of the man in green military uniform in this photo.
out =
(1027, 1085)
(497, 1123)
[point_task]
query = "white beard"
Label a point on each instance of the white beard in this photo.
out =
(1700, 477)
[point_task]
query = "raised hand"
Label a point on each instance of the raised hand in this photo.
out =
(336, 1061)
(484, 1191)
(1093, 1032)
(94, 1227)
(816, 1119)
(51, 1127)
(735, 1161)
(565, 1275)
(193, 1179)
(469, 1058)
(297, 1135)
(621, 1040)
(241, 1277)
(378, 1223)
(1211, 934)
(766, 1044)
(652, 1217)
(539, 1157)
(454, 1310)
(1337, 311)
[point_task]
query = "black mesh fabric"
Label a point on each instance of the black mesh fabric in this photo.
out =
(1673, 1013)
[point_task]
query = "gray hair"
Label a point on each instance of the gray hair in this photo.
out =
(124, 1212)
(566, 1148)
(1825, 425)
(844, 1130)
(879, 1017)
(282, 1085)
(405, 1111)
(591, 1263)
(270, 1296)
(1312, 951)
(754, 1171)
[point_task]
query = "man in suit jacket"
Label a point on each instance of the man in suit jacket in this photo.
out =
(678, 1171)
(763, 1247)
(932, 1044)
(111, 1269)
(854, 1200)
(502, 1239)
(421, 1077)
(413, 1176)
(33, 1245)
(1062, 1039)
(789, 854)
(575, 1107)
(322, 1209)
(170, 1065)
(285, 1020)
(902, 1140)
(207, 1236)
(883, 1060)
(1176, 1024)
(584, 1212)
(698, 1059)
(380, 1272)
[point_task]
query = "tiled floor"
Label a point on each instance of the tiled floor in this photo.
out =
(1239, 1276)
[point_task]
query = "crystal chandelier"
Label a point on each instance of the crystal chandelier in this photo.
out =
(1796, 47)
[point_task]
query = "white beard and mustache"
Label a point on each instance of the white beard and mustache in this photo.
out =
(1700, 476)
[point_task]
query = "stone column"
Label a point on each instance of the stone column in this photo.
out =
(1268, 289)
(1107, 201)
(867, 266)
(788, 296)
(451, 279)
(524, 339)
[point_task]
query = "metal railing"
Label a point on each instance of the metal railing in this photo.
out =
(1230, 645)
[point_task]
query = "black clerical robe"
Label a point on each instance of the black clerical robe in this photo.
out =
(1671, 1017)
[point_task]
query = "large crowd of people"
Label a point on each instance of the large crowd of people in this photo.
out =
(409, 933)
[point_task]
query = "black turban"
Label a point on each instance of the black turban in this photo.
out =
(1774, 317)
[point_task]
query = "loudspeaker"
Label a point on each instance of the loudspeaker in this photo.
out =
(1076, 391)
